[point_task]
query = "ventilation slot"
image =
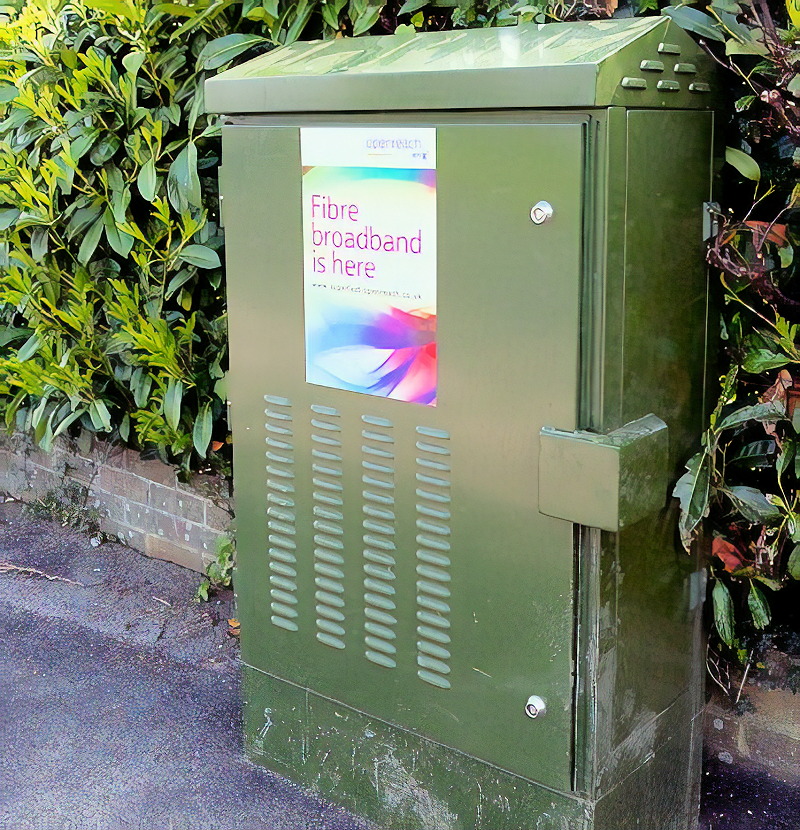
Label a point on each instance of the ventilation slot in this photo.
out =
(281, 517)
(433, 556)
(377, 475)
(326, 476)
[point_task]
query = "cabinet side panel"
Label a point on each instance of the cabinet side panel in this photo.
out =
(653, 647)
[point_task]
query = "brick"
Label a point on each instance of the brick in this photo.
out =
(14, 481)
(40, 482)
(773, 750)
(138, 516)
(176, 502)
(79, 469)
(160, 548)
(42, 459)
(112, 455)
(152, 470)
(768, 738)
(184, 533)
(122, 483)
(217, 518)
(7, 461)
(207, 486)
(111, 507)
(130, 536)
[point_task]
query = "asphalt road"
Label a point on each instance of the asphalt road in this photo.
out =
(120, 704)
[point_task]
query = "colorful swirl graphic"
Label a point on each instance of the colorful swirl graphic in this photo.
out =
(389, 353)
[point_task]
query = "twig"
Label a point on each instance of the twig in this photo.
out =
(8, 567)
(744, 676)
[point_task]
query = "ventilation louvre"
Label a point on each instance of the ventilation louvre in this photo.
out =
(379, 551)
(328, 498)
(281, 515)
(433, 556)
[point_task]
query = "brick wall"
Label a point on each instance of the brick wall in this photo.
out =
(763, 732)
(141, 503)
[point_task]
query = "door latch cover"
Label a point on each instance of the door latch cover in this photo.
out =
(607, 481)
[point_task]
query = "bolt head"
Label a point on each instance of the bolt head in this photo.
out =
(541, 212)
(535, 707)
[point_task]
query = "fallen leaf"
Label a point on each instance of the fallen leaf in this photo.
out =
(728, 553)
(768, 231)
(777, 392)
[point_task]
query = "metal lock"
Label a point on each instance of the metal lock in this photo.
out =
(535, 707)
(541, 212)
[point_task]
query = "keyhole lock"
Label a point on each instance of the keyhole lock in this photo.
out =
(541, 212)
(535, 707)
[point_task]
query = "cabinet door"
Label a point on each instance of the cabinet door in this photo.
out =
(391, 555)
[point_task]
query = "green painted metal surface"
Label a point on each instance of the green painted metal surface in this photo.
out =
(400, 690)
(643, 62)
(491, 453)
(606, 481)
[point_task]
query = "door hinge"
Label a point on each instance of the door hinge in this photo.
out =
(711, 214)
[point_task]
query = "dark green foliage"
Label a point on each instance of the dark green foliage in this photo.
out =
(746, 479)
(111, 297)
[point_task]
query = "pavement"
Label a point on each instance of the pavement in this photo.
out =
(120, 704)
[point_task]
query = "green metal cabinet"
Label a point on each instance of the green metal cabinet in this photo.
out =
(463, 604)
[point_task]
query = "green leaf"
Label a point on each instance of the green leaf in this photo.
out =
(759, 609)
(183, 181)
(8, 92)
(695, 21)
(754, 505)
(7, 217)
(771, 411)
(40, 238)
(147, 180)
(125, 428)
(141, 384)
(133, 61)
(745, 164)
(755, 454)
(750, 47)
(82, 144)
(183, 276)
(120, 199)
(788, 449)
(172, 402)
(201, 434)
(71, 418)
(367, 19)
(793, 565)
(772, 584)
(82, 219)
(29, 348)
(219, 51)
(200, 256)
(121, 8)
(101, 418)
(104, 149)
(173, 9)
(90, 241)
(119, 241)
(723, 612)
(757, 361)
(692, 489)
(8, 334)
(411, 6)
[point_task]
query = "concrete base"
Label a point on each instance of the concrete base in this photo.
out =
(402, 781)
